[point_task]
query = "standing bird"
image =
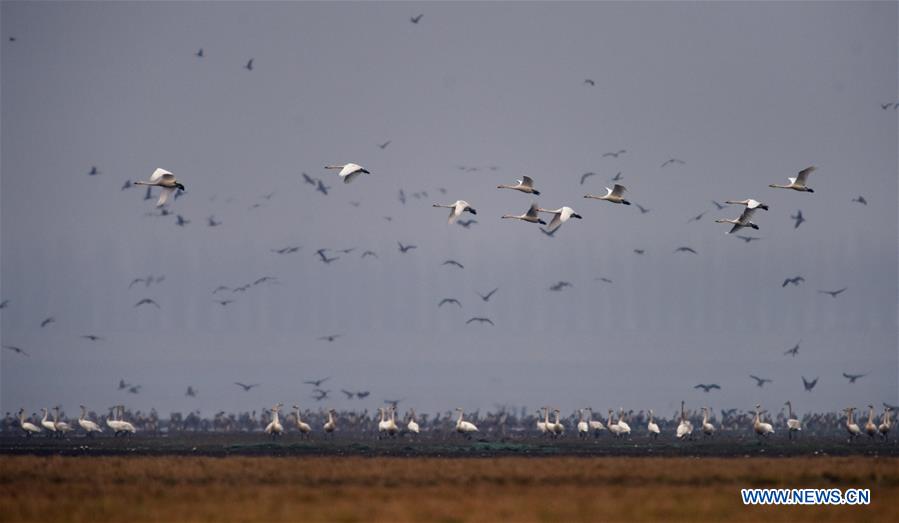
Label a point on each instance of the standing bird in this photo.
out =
(87, 425)
(164, 179)
(274, 428)
(28, 427)
(851, 426)
(885, 424)
(614, 195)
(456, 209)
(560, 216)
(463, 427)
(793, 424)
(797, 183)
(761, 429)
(529, 216)
(525, 185)
(348, 171)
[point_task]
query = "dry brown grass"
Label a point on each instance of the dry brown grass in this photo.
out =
(350, 489)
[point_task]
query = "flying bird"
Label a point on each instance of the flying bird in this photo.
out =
(748, 239)
(886, 106)
(614, 154)
(191, 392)
(456, 209)
(560, 216)
(809, 385)
(640, 251)
(798, 183)
(308, 179)
(146, 301)
(212, 222)
(795, 280)
(454, 262)
(480, 320)
(246, 388)
(585, 176)
(362, 394)
(199, 53)
(221, 288)
(749, 203)
(449, 300)
(164, 179)
(349, 394)
(4, 304)
(614, 195)
(551, 234)
(672, 161)
(466, 223)
(603, 279)
(414, 20)
(707, 387)
(348, 171)
(94, 171)
(798, 218)
(134, 389)
(48, 321)
(719, 206)
(329, 338)
(180, 221)
(697, 217)
(643, 210)
(853, 377)
(529, 216)
(249, 66)
(617, 177)
(794, 351)
(860, 199)
(384, 145)
(15, 349)
(685, 249)
(525, 185)
(264, 279)
(322, 188)
(760, 382)
(559, 286)
(324, 258)
(486, 297)
(369, 253)
(744, 220)
(405, 248)
(320, 394)
(590, 82)
(317, 382)
(224, 303)
(123, 385)
(93, 337)
(834, 294)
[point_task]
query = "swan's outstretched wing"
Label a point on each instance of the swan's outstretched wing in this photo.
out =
(555, 223)
(803, 174)
(527, 181)
(164, 196)
(747, 215)
(532, 212)
(735, 228)
(160, 174)
(618, 190)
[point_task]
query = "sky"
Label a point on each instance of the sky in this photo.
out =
(474, 95)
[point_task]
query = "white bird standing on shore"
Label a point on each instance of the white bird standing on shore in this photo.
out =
(89, 426)
(27, 426)
(464, 427)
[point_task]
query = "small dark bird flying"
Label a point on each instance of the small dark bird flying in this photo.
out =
(672, 161)
(15, 349)
(449, 300)
(590, 82)
(246, 388)
(480, 320)
(406, 248)
(748, 239)
(707, 387)
(797, 218)
(414, 20)
(92, 337)
(834, 294)
(794, 351)
(559, 286)
(809, 384)
(860, 199)
(48, 321)
(486, 297)
(795, 280)
(585, 176)
(760, 382)
(317, 382)
(384, 145)
(147, 301)
(329, 338)
(853, 377)
(191, 392)
(249, 66)
(94, 171)
(685, 249)
(454, 262)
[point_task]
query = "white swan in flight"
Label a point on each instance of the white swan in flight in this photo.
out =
(560, 216)
(525, 185)
(457, 209)
(614, 195)
(797, 183)
(742, 221)
(750, 203)
(349, 171)
(166, 180)
(530, 216)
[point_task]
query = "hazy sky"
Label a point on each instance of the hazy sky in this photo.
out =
(746, 94)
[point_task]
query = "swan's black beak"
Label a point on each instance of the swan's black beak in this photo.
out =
(764, 207)
(578, 216)
(180, 186)
(810, 190)
(625, 202)
(538, 192)
(754, 226)
(472, 211)
(541, 222)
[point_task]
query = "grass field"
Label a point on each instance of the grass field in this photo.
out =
(431, 489)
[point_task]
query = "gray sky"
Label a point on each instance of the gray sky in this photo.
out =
(746, 93)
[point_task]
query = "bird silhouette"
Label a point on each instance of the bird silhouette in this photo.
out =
(585, 176)
(486, 297)
(672, 161)
(221, 288)
(320, 394)
(212, 222)
(199, 53)
(834, 294)
(405, 248)
(329, 338)
(249, 66)
(317, 382)
(322, 188)
(860, 199)
(747, 239)
(224, 303)
(134, 389)
(466, 223)
(264, 279)
(603, 279)
(559, 286)
(640, 251)
(685, 249)
(590, 82)
(48, 321)
(480, 320)
(415, 20)
(362, 394)
(795, 280)
(719, 206)
(454, 262)
(886, 106)
(4, 304)
(94, 171)
(246, 388)
(349, 394)
(853, 377)
(809, 385)
(123, 385)
(191, 392)
(643, 210)
(92, 337)
(384, 145)
(147, 301)
(324, 258)
(797, 218)
(617, 177)
(449, 300)
(369, 253)
(707, 387)
(794, 351)
(15, 349)
(697, 217)
(614, 154)
(180, 221)
(760, 382)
